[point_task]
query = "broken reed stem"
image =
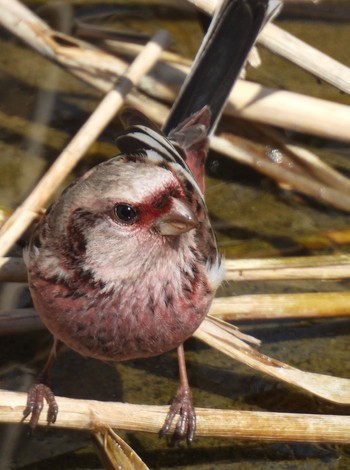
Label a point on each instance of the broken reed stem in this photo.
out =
(250, 425)
(78, 146)
(296, 51)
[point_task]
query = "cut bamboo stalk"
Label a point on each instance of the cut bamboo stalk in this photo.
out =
(75, 150)
(248, 425)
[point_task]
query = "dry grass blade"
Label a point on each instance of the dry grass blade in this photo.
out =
(115, 453)
(75, 150)
(225, 340)
(88, 414)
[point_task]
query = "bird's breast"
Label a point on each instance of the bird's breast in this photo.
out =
(122, 321)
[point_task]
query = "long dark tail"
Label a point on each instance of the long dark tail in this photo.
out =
(232, 33)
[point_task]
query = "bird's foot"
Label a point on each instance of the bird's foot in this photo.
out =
(185, 427)
(35, 403)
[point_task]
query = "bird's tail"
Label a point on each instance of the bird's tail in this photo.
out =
(231, 35)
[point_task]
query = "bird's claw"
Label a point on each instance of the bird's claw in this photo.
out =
(35, 404)
(186, 425)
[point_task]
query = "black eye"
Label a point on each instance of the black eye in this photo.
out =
(125, 213)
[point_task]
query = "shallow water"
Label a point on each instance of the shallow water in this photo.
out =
(41, 107)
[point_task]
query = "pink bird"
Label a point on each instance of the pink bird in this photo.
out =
(125, 264)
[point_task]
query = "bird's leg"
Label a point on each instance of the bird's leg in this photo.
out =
(40, 391)
(181, 405)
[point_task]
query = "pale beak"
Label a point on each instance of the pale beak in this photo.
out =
(179, 219)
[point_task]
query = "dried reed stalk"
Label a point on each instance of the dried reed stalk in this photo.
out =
(230, 341)
(289, 110)
(281, 306)
(305, 56)
(76, 149)
(298, 268)
(91, 415)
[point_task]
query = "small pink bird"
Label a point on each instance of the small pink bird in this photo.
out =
(125, 264)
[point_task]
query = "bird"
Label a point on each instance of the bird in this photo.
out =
(125, 264)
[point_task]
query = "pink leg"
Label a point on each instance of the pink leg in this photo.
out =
(181, 405)
(40, 391)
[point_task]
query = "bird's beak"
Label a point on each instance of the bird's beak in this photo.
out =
(179, 219)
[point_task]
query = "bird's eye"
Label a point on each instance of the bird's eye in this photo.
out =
(125, 213)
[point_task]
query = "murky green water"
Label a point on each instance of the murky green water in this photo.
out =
(41, 107)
